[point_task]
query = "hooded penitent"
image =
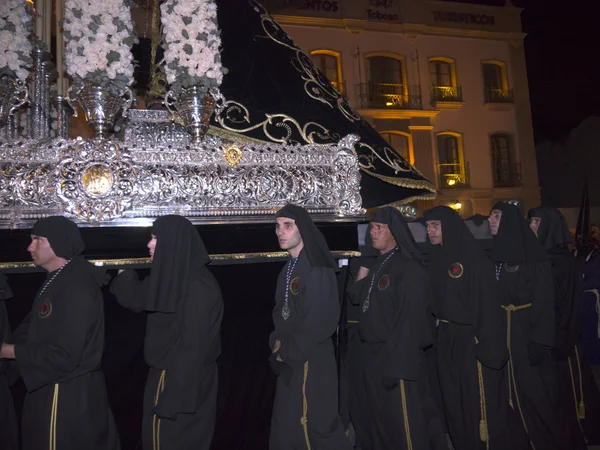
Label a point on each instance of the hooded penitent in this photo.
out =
(515, 243)
(315, 245)
(179, 253)
(62, 234)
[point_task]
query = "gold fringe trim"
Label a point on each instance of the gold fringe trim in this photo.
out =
(53, 416)
(512, 382)
(160, 387)
(403, 182)
(304, 418)
(236, 137)
(405, 414)
(214, 257)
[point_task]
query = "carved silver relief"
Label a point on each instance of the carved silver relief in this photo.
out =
(157, 170)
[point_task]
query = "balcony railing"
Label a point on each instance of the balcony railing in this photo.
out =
(499, 96)
(446, 94)
(507, 175)
(453, 175)
(390, 96)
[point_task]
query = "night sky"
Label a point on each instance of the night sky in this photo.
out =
(562, 48)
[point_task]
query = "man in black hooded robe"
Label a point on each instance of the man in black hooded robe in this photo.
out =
(9, 437)
(396, 326)
(471, 342)
(524, 281)
(580, 395)
(306, 315)
(58, 347)
(185, 309)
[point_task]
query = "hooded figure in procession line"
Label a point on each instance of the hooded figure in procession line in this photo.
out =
(185, 309)
(306, 315)
(9, 435)
(58, 347)
(579, 393)
(524, 282)
(396, 325)
(471, 340)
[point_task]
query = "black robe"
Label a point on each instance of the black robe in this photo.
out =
(579, 393)
(471, 350)
(305, 410)
(58, 351)
(527, 291)
(396, 327)
(358, 399)
(9, 437)
(181, 349)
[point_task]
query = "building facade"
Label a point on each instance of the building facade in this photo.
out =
(445, 83)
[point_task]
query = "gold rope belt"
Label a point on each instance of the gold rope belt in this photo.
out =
(304, 418)
(579, 407)
(53, 414)
(512, 382)
(483, 428)
(160, 387)
(405, 414)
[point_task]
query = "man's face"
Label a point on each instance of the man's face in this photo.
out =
(494, 221)
(152, 246)
(382, 237)
(534, 224)
(41, 251)
(287, 233)
(434, 231)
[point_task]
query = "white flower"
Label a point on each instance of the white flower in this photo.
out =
(187, 58)
(15, 47)
(98, 42)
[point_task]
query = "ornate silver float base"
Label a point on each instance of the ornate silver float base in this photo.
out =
(109, 183)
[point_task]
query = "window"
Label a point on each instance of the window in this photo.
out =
(386, 86)
(329, 63)
(451, 165)
(400, 142)
(495, 82)
(383, 69)
(442, 74)
(506, 172)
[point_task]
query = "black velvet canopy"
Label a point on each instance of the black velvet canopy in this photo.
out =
(274, 93)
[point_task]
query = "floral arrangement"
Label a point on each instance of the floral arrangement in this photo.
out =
(192, 41)
(15, 47)
(98, 39)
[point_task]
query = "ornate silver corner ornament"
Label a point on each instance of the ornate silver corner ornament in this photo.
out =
(158, 170)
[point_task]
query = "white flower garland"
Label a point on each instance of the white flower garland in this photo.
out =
(98, 39)
(192, 41)
(15, 47)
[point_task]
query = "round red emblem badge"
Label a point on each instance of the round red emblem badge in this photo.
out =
(456, 270)
(384, 282)
(45, 309)
(295, 285)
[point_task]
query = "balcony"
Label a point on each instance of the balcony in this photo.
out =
(453, 175)
(390, 96)
(499, 96)
(446, 97)
(507, 175)
(446, 94)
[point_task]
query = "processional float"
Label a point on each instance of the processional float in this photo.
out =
(248, 123)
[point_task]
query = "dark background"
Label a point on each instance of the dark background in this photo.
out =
(561, 49)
